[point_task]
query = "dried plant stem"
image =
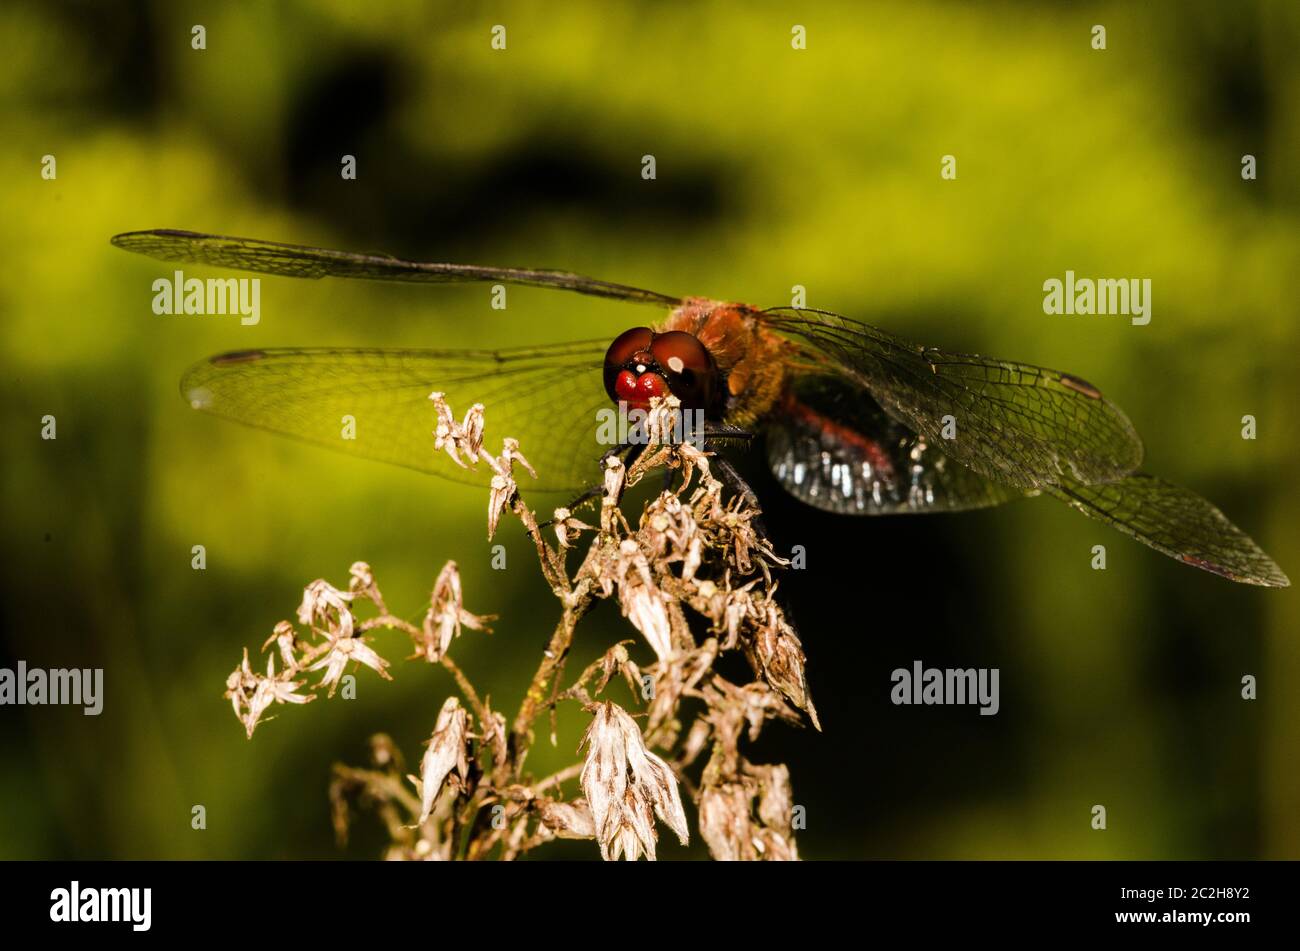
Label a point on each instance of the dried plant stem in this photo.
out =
(552, 663)
(392, 787)
(556, 779)
(466, 688)
(690, 557)
(462, 682)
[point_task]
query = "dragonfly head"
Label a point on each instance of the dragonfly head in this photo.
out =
(641, 364)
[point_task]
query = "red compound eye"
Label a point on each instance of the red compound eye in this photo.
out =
(641, 364)
(625, 387)
(622, 352)
(651, 384)
(679, 352)
(636, 391)
(628, 344)
(688, 367)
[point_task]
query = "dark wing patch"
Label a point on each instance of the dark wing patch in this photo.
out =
(1017, 424)
(831, 446)
(295, 260)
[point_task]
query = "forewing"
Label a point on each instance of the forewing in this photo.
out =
(1022, 425)
(1177, 522)
(294, 260)
(545, 397)
(831, 445)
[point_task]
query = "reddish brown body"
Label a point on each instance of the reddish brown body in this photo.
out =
(749, 357)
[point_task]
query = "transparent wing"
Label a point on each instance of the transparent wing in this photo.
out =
(1177, 522)
(294, 260)
(1017, 424)
(545, 397)
(830, 445)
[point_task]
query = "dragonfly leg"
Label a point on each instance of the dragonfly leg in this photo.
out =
(633, 451)
(724, 435)
(598, 490)
(582, 499)
(618, 451)
(728, 475)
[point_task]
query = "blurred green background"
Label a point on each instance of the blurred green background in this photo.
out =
(776, 167)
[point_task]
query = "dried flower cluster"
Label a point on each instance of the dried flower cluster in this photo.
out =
(335, 637)
(692, 556)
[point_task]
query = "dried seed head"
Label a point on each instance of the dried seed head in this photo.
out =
(695, 740)
(442, 622)
(472, 430)
(447, 434)
(776, 798)
(384, 753)
(559, 519)
(615, 476)
(676, 677)
(616, 660)
(325, 607)
(238, 684)
(661, 419)
(642, 602)
(343, 649)
(446, 588)
(623, 782)
(453, 438)
(731, 708)
(725, 824)
(693, 458)
(492, 734)
(446, 616)
(240, 681)
(736, 607)
(251, 694)
(611, 517)
(285, 640)
(728, 824)
(510, 455)
(567, 820)
(568, 528)
(446, 752)
(671, 533)
(776, 653)
(776, 846)
(636, 836)
(694, 558)
(502, 491)
(361, 584)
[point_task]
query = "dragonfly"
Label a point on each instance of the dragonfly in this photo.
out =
(851, 419)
